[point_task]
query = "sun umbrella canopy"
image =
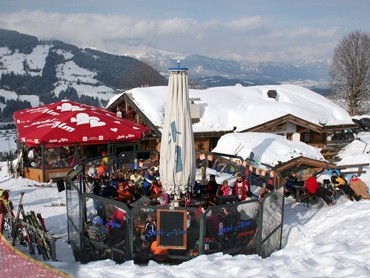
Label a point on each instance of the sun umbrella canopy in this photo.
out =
(66, 123)
(54, 109)
(177, 160)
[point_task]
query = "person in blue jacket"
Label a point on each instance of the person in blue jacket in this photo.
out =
(150, 175)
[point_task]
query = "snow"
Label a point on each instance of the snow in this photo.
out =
(267, 148)
(8, 95)
(318, 241)
(68, 74)
(226, 108)
(13, 62)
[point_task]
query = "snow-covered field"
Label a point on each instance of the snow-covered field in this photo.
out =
(318, 241)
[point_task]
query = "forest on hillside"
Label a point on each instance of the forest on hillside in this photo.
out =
(116, 72)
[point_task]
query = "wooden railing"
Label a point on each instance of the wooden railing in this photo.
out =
(347, 168)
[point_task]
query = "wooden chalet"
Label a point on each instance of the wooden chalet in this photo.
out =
(203, 140)
(290, 126)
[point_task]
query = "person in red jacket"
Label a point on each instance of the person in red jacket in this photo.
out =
(241, 187)
(314, 188)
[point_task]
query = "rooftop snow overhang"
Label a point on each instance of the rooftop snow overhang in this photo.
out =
(285, 119)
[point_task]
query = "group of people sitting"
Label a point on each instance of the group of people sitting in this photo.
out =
(124, 187)
(58, 158)
(240, 188)
(328, 190)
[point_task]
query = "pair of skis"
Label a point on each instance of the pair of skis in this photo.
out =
(38, 231)
(31, 230)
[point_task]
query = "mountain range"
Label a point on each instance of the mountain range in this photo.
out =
(211, 72)
(34, 71)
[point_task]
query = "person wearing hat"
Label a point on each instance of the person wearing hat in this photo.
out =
(342, 184)
(96, 230)
(150, 175)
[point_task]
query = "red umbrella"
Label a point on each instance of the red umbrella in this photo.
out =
(66, 123)
(54, 109)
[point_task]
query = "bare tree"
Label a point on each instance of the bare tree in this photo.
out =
(350, 73)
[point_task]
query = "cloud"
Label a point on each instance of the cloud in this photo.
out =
(312, 32)
(246, 23)
(249, 37)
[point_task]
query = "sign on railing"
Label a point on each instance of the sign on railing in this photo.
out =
(171, 231)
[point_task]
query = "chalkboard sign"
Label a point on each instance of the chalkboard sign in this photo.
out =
(171, 230)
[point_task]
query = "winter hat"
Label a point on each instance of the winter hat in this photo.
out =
(97, 220)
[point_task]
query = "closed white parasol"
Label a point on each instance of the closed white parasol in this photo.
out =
(177, 156)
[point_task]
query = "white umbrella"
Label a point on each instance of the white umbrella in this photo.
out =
(177, 155)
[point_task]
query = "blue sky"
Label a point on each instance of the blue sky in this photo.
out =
(259, 30)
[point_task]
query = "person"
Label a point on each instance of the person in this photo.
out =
(155, 189)
(114, 179)
(138, 180)
(105, 157)
(92, 172)
(31, 155)
(201, 160)
(123, 192)
(102, 169)
(134, 191)
(359, 187)
(314, 188)
(6, 206)
(211, 188)
(117, 233)
(60, 163)
(229, 218)
(150, 230)
(224, 189)
(140, 164)
(158, 250)
(97, 230)
(341, 184)
(148, 179)
(290, 185)
(241, 187)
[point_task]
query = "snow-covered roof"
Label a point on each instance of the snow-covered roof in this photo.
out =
(223, 108)
(267, 148)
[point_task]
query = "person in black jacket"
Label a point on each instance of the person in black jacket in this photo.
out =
(212, 187)
(290, 184)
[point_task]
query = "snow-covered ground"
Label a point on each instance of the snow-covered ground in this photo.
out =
(318, 241)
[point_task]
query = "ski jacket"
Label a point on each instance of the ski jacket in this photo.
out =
(312, 185)
(240, 189)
